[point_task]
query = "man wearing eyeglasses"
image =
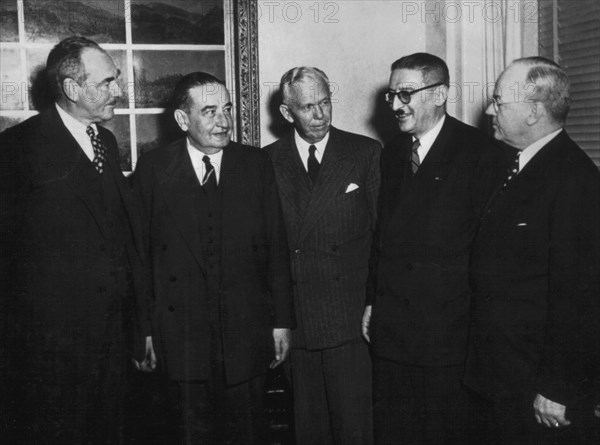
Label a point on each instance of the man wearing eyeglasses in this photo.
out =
(437, 175)
(534, 344)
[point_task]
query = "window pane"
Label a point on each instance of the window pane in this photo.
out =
(157, 72)
(177, 21)
(51, 21)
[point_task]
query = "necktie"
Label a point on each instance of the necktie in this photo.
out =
(415, 162)
(209, 181)
(99, 150)
(313, 164)
(512, 170)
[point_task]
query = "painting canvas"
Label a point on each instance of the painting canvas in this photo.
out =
(157, 72)
(177, 22)
(50, 21)
(9, 25)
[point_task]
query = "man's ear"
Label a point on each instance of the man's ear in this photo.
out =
(285, 112)
(71, 89)
(536, 112)
(441, 95)
(182, 119)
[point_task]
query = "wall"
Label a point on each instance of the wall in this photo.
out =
(355, 42)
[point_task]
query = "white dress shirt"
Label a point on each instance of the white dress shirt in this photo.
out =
(78, 131)
(302, 146)
(532, 150)
(429, 138)
(198, 164)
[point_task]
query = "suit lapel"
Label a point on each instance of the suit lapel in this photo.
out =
(180, 193)
(295, 186)
(233, 189)
(431, 174)
(335, 167)
(531, 180)
(66, 156)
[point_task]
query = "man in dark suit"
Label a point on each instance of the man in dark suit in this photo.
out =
(328, 181)
(436, 177)
(220, 266)
(70, 261)
(534, 343)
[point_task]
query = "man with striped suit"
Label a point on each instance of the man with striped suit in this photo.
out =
(328, 182)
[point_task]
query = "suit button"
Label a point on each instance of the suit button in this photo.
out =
(210, 215)
(172, 279)
(163, 247)
(254, 248)
(294, 282)
(334, 248)
(406, 301)
(102, 248)
(171, 308)
(489, 339)
(337, 278)
(101, 289)
(409, 267)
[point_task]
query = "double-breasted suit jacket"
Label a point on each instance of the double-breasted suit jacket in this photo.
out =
(426, 226)
(71, 260)
(329, 228)
(536, 282)
(254, 293)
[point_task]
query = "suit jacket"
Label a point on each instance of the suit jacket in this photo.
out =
(536, 281)
(255, 287)
(65, 316)
(330, 232)
(427, 223)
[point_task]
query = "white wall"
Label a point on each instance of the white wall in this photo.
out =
(356, 41)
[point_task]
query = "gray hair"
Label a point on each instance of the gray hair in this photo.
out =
(300, 74)
(552, 85)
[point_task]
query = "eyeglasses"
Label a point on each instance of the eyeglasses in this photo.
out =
(496, 103)
(406, 95)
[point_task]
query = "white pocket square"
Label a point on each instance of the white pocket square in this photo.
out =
(351, 187)
(521, 224)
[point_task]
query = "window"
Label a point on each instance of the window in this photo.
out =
(152, 43)
(569, 33)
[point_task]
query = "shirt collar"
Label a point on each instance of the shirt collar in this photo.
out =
(72, 124)
(197, 155)
(429, 138)
(529, 152)
(303, 145)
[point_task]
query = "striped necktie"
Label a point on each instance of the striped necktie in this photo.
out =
(415, 162)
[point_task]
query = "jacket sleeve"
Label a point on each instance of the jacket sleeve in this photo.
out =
(570, 358)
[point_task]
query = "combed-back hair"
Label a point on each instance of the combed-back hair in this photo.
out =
(301, 74)
(181, 93)
(551, 86)
(64, 61)
(433, 68)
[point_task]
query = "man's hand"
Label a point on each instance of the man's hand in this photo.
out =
(282, 338)
(366, 321)
(549, 413)
(149, 363)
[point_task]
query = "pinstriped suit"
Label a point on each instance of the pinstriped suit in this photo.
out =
(330, 233)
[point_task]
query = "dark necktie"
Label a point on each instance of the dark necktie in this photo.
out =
(512, 171)
(313, 164)
(209, 181)
(99, 150)
(415, 161)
